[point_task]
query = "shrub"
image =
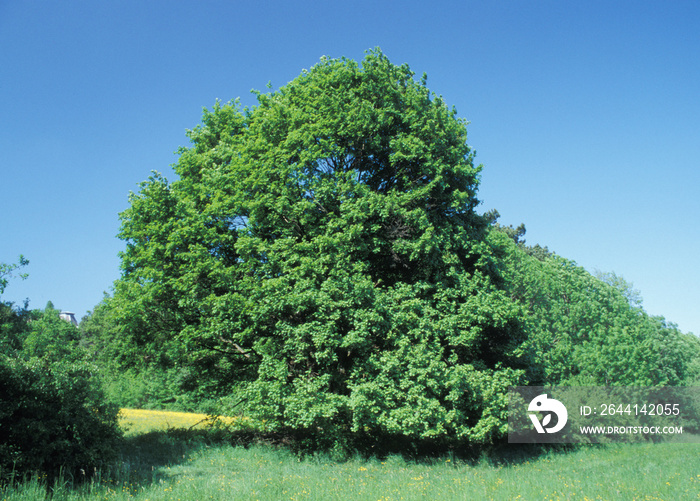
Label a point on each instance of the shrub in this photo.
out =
(53, 417)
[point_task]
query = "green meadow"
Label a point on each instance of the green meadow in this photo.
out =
(158, 462)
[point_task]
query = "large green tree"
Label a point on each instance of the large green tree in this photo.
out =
(320, 259)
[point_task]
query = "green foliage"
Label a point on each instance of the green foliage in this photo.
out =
(53, 418)
(129, 379)
(634, 296)
(13, 320)
(584, 330)
(321, 259)
(7, 272)
(13, 327)
(53, 414)
(50, 336)
(28, 333)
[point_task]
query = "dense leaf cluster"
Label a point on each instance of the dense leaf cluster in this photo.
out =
(53, 419)
(53, 413)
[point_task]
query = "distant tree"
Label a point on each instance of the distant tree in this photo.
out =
(98, 332)
(13, 320)
(587, 331)
(130, 380)
(634, 296)
(321, 259)
(52, 337)
(7, 271)
(517, 234)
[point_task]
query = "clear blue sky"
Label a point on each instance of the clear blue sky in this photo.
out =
(585, 115)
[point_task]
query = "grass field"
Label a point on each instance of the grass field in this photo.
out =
(158, 464)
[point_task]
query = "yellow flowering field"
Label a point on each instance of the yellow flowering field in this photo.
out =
(138, 421)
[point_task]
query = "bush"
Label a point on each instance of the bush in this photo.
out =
(53, 418)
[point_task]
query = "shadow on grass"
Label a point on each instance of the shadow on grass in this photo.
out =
(303, 444)
(145, 456)
(145, 459)
(428, 451)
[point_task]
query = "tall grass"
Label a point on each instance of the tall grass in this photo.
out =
(186, 465)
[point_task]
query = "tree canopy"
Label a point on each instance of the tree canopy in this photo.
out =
(320, 257)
